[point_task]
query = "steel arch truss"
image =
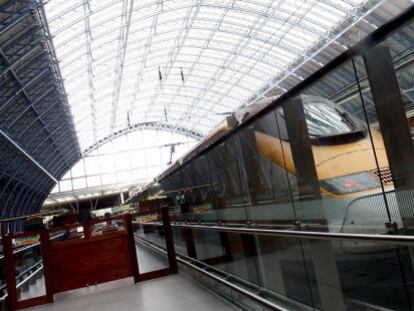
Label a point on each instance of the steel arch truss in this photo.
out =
(146, 125)
(38, 143)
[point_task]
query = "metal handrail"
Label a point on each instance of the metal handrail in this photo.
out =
(21, 249)
(39, 264)
(313, 235)
(62, 211)
(29, 277)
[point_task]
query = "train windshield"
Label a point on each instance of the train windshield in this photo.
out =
(327, 120)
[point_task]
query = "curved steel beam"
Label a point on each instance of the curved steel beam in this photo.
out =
(146, 125)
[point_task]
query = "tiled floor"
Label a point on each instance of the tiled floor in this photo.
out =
(148, 260)
(172, 293)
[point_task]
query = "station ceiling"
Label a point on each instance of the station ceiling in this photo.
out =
(77, 72)
(38, 143)
(189, 62)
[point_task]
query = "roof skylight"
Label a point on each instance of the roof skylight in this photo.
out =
(178, 62)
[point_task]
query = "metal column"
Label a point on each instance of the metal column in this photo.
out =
(322, 254)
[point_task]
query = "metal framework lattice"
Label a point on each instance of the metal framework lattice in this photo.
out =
(37, 139)
(75, 74)
(186, 63)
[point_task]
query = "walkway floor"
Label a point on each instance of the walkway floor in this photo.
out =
(172, 293)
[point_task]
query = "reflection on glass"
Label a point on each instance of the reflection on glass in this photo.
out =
(66, 234)
(256, 177)
(28, 263)
(146, 235)
(325, 118)
(108, 226)
(3, 281)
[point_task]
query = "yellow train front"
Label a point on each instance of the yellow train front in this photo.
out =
(350, 161)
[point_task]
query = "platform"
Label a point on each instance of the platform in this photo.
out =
(175, 292)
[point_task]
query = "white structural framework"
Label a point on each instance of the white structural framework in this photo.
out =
(184, 63)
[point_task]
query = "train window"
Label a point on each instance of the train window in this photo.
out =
(327, 119)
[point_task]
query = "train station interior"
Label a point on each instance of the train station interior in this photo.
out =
(207, 155)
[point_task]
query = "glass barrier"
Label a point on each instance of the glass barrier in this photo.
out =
(108, 226)
(335, 157)
(67, 233)
(302, 273)
(28, 265)
(3, 280)
(348, 153)
(393, 60)
(146, 234)
(181, 238)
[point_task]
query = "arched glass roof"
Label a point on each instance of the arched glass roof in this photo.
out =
(132, 158)
(182, 62)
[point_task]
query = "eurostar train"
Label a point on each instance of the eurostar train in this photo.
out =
(211, 185)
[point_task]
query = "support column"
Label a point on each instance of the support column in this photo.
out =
(10, 271)
(396, 135)
(45, 242)
(394, 128)
(251, 166)
(323, 258)
(169, 241)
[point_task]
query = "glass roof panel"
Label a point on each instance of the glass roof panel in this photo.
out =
(179, 61)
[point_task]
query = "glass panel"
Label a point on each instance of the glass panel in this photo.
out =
(391, 114)
(396, 54)
(370, 275)
(319, 162)
(108, 226)
(210, 189)
(3, 280)
(65, 234)
(284, 269)
(267, 173)
(238, 254)
(146, 235)
(347, 165)
(140, 159)
(401, 48)
(28, 264)
(383, 175)
(179, 241)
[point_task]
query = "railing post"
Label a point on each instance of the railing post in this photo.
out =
(10, 271)
(87, 230)
(169, 241)
(188, 235)
(132, 248)
(45, 245)
(322, 252)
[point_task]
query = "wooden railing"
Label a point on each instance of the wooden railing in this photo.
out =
(97, 251)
